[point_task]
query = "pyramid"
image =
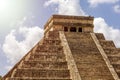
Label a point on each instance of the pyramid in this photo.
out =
(69, 50)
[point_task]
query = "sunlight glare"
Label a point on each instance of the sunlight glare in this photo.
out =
(3, 5)
(10, 12)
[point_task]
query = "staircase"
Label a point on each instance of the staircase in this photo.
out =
(112, 52)
(88, 59)
(46, 62)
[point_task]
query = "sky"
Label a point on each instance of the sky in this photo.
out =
(22, 23)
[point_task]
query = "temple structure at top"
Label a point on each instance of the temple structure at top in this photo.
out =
(69, 23)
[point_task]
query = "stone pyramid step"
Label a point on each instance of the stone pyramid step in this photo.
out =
(116, 66)
(81, 42)
(88, 58)
(31, 78)
(107, 77)
(87, 65)
(114, 55)
(51, 48)
(118, 49)
(77, 35)
(118, 72)
(49, 41)
(88, 48)
(107, 44)
(114, 59)
(108, 48)
(41, 73)
(44, 65)
(100, 36)
(84, 52)
(46, 57)
(111, 51)
(53, 34)
(94, 71)
(47, 53)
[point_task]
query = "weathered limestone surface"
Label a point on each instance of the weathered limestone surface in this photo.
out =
(46, 62)
(88, 59)
(106, 43)
(69, 50)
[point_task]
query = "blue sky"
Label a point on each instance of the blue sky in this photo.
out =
(21, 23)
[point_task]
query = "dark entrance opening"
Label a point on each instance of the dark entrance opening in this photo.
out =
(80, 29)
(72, 29)
(65, 29)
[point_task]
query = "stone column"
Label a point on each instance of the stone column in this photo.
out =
(77, 29)
(68, 29)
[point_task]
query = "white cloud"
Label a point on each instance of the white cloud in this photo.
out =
(15, 49)
(94, 3)
(0, 46)
(117, 8)
(110, 33)
(66, 7)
